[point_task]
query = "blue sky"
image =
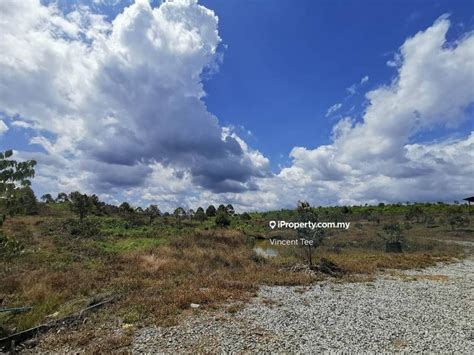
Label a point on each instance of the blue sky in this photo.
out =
(286, 64)
(185, 103)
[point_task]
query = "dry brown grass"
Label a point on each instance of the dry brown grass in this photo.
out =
(157, 284)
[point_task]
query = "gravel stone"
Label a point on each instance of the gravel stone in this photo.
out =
(427, 310)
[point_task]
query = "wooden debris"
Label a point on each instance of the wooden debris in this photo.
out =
(10, 342)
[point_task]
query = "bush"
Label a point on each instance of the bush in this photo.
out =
(200, 215)
(72, 228)
(457, 221)
(211, 211)
(222, 218)
(392, 233)
(245, 217)
(10, 247)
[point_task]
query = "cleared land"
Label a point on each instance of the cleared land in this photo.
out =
(157, 270)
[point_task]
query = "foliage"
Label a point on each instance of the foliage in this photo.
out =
(245, 217)
(14, 183)
(457, 221)
(230, 209)
(152, 212)
(392, 232)
(80, 204)
(179, 212)
(62, 197)
(222, 218)
(200, 215)
(24, 202)
(415, 213)
(211, 211)
(10, 247)
(126, 208)
(303, 206)
(47, 198)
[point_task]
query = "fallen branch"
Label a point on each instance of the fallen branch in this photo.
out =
(13, 340)
(15, 310)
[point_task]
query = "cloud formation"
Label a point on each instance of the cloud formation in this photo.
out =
(119, 97)
(118, 110)
(333, 109)
(3, 127)
(373, 160)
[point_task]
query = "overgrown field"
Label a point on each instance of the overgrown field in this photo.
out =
(157, 268)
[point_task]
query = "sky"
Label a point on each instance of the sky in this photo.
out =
(251, 102)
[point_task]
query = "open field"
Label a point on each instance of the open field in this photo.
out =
(156, 271)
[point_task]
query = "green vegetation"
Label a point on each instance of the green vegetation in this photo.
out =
(68, 251)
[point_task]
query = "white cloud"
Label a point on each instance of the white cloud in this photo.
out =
(3, 127)
(373, 160)
(333, 109)
(118, 108)
(352, 89)
(121, 96)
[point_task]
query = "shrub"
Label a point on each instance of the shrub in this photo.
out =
(230, 209)
(80, 204)
(245, 217)
(222, 218)
(47, 198)
(457, 221)
(10, 247)
(152, 212)
(345, 209)
(71, 228)
(313, 236)
(211, 211)
(200, 215)
(392, 232)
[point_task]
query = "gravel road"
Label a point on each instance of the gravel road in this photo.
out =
(428, 310)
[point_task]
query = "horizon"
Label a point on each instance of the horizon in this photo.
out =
(190, 103)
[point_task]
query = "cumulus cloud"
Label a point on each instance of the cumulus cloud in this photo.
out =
(121, 96)
(117, 107)
(373, 160)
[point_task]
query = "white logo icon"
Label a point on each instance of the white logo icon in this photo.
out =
(272, 224)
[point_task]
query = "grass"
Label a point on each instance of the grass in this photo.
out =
(157, 270)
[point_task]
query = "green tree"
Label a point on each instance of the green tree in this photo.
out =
(14, 192)
(62, 197)
(415, 213)
(179, 212)
(80, 204)
(303, 206)
(126, 208)
(230, 209)
(222, 218)
(200, 215)
(245, 217)
(27, 202)
(392, 232)
(47, 198)
(152, 212)
(14, 183)
(211, 211)
(457, 221)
